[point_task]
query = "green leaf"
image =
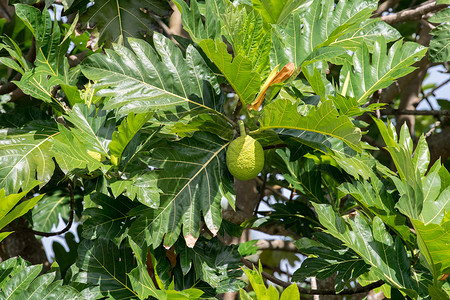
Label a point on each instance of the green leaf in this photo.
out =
(441, 16)
(47, 213)
(238, 70)
(19, 282)
(213, 262)
(118, 20)
(66, 259)
(204, 122)
(433, 240)
(51, 65)
(71, 153)
(143, 285)
(93, 127)
(325, 261)
(9, 268)
(19, 210)
(324, 120)
(191, 175)
(375, 197)
(44, 287)
(367, 32)
(248, 35)
(440, 43)
(26, 156)
(107, 266)
(142, 186)
(149, 80)
(387, 258)
(276, 11)
(193, 21)
(371, 73)
(303, 175)
(125, 132)
(291, 292)
(323, 24)
(108, 220)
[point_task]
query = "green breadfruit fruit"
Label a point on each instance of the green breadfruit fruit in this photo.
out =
(245, 157)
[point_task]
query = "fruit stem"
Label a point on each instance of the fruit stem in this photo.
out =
(242, 128)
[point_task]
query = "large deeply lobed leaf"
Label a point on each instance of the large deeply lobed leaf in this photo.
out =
(191, 175)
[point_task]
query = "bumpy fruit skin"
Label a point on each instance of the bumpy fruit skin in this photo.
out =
(245, 158)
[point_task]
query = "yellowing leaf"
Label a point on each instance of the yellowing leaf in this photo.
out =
(274, 77)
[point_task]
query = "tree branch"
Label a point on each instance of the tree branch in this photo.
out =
(385, 6)
(276, 245)
(71, 217)
(413, 13)
(238, 217)
(393, 111)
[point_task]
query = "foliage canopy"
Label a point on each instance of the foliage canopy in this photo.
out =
(141, 126)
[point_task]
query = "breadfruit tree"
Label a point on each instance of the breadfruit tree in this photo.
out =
(174, 134)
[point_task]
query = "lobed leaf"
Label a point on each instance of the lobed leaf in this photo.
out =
(149, 79)
(191, 175)
(379, 70)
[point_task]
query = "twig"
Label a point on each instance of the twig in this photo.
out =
(351, 291)
(392, 111)
(413, 13)
(280, 245)
(276, 146)
(433, 129)
(71, 217)
(431, 93)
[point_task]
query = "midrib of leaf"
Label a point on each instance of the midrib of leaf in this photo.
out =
(119, 16)
(109, 273)
(31, 150)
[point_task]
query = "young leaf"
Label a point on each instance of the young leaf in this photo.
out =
(369, 74)
(238, 70)
(276, 11)
(126, 131)
(322, 25)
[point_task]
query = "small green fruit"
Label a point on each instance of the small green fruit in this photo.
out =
(245, 158)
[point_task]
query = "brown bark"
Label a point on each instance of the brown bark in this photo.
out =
(438, 144)
(24, 244)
